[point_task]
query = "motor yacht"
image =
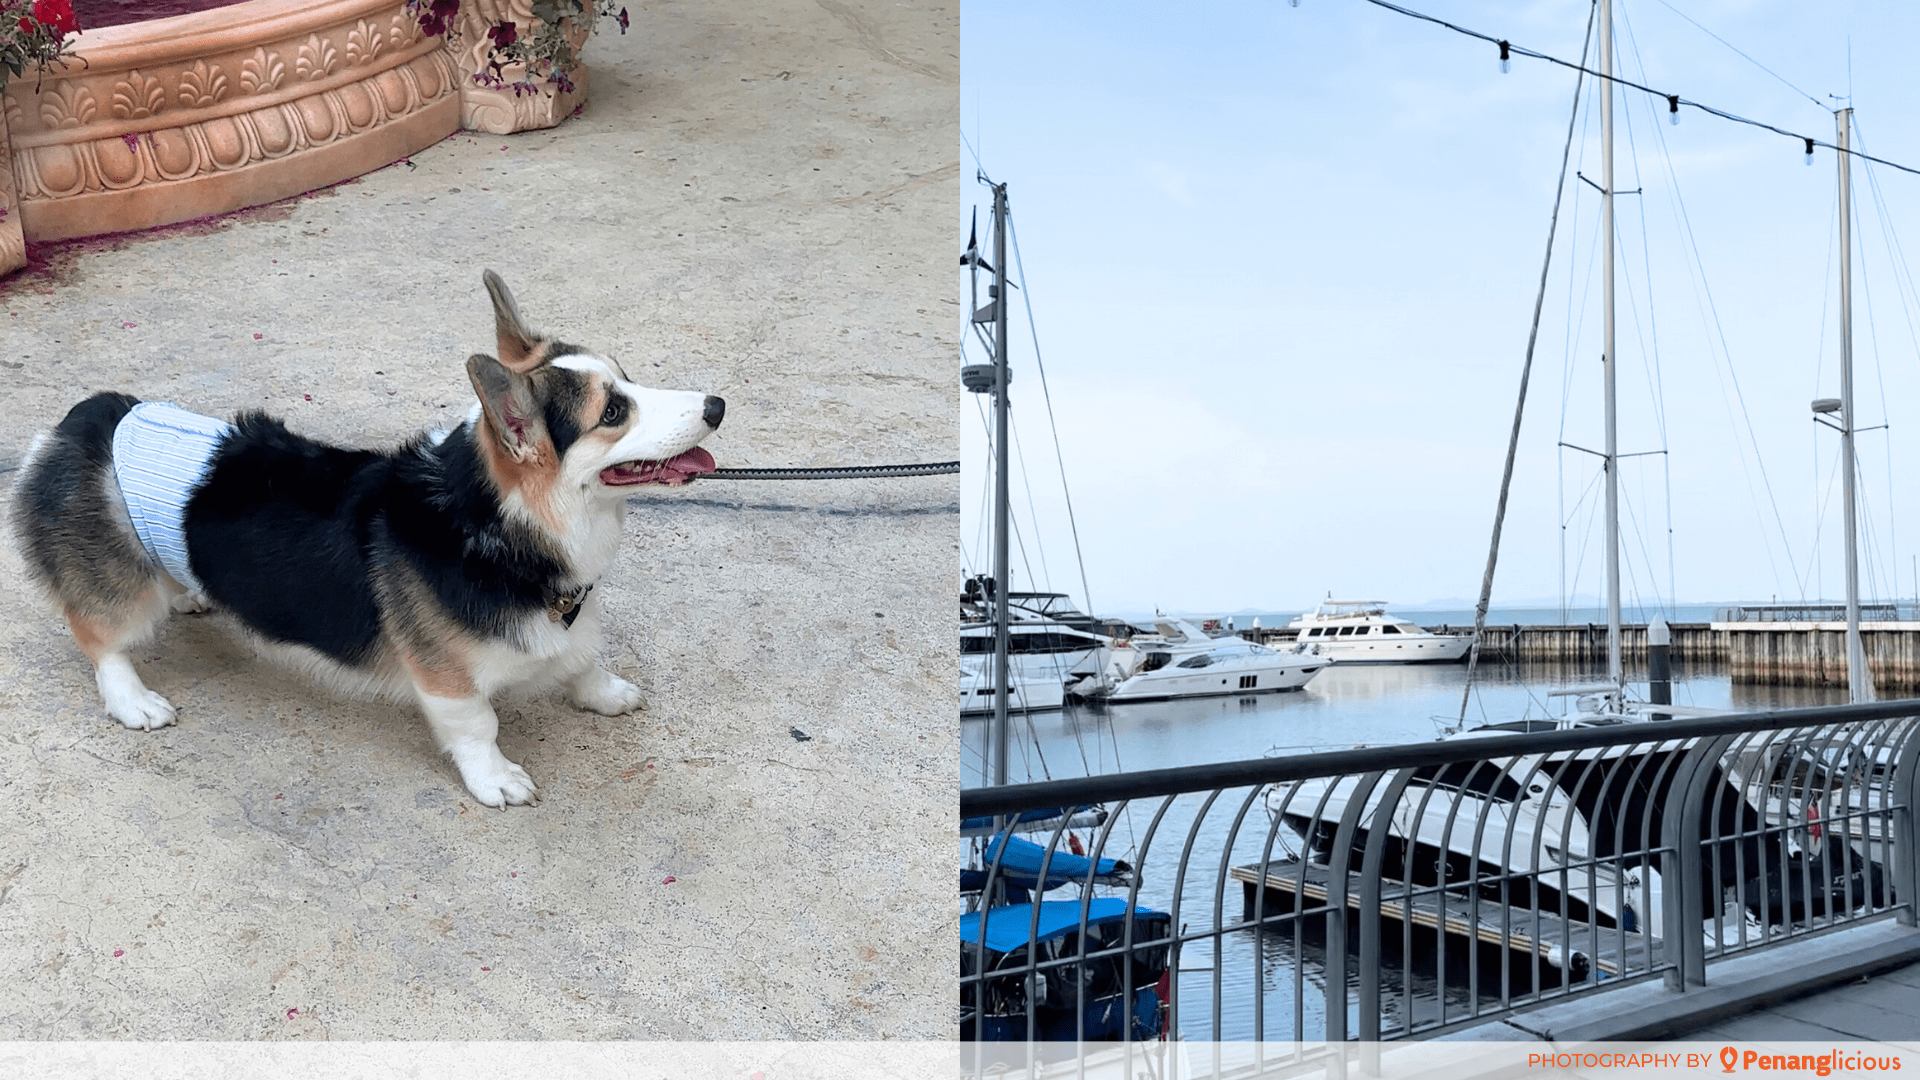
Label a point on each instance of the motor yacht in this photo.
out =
(1178, 660)
(1361, 632)
(1024, 694)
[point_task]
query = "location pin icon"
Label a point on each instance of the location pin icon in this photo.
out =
(1728, 1055)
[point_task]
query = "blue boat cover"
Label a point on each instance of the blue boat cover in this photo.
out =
(1011, 927)
(1020, 867)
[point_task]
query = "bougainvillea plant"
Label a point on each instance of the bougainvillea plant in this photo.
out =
(545, 53)
(33, 32)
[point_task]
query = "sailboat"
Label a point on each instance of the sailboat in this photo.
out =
(1551, 818)
(1093, 988)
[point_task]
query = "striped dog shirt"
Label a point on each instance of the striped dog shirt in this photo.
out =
(160, 455)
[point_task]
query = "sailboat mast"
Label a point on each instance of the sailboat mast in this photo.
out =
(1859, 681)
(1001, 497)
(1609, 360)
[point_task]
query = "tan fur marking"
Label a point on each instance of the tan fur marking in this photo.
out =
(442, 676)
(520, 356)
(88, 634)
(97, 637)
(532, 479)
(597, 396)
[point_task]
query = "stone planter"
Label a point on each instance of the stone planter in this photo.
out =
(13, 243)
(199, 114)
(502, 112)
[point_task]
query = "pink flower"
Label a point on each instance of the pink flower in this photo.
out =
(257, 337)
(503, 34)
(291, 1013)
(668, 881)
(119, 952)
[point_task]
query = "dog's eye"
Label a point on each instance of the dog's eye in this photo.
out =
(615, 413)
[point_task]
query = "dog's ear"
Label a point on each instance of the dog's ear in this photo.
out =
(507, 398)
(520, 348)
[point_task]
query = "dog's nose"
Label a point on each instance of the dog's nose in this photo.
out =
(716, 411)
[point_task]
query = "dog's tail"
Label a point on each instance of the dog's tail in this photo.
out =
(65, 507)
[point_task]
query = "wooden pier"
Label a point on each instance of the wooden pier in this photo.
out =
(1557, 950)
(1768, 653)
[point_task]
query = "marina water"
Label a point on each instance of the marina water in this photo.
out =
(1344, 706)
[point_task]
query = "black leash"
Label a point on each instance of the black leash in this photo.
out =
(849, 472)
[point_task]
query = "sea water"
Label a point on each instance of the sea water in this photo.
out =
(1344, 706)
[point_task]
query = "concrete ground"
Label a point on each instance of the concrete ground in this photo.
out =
(1872, 1008)
(758, 203)
(1860, 982)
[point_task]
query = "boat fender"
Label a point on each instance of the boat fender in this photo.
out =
(1575, 964)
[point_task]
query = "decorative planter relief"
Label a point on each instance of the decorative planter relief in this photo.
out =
(502, 111)
(198, 114)
(13, 244)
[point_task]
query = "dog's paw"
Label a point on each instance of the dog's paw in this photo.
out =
(190, 603)
(603, 692)
(500, 783)
(141, 709)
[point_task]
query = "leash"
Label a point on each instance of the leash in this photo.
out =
(849, 472)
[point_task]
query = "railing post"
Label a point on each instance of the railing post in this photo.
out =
(1684, 865)
(1338, 860)
(1370, 918)
(1904, 845)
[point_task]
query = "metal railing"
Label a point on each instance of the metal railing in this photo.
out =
(1870, 611)
(1408, 890)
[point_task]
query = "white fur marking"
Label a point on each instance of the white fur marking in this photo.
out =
(187, 602)
(127, 698)
(599, 690)
(466, 728)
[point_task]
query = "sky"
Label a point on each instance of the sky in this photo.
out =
(1282, 264)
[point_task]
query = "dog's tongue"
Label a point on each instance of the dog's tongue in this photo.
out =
(673, 472)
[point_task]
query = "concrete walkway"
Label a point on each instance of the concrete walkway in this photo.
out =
(1877, 1008)
(758, 202)
(1860, 982)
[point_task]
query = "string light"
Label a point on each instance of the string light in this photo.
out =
(1674, 101)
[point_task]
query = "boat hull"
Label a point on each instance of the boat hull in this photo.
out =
(1257, 675)
(1043, 694)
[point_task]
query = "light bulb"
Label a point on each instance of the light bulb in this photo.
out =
(1506, 60)
(1809, 151)
(1673, 109)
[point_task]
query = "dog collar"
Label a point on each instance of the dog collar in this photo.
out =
(563, 608)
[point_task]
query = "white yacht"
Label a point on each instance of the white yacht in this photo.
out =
(1361, 632)
(1178, 659)
(1038, 647)
(1043, 694)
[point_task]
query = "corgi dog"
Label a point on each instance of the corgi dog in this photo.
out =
(458, 565)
